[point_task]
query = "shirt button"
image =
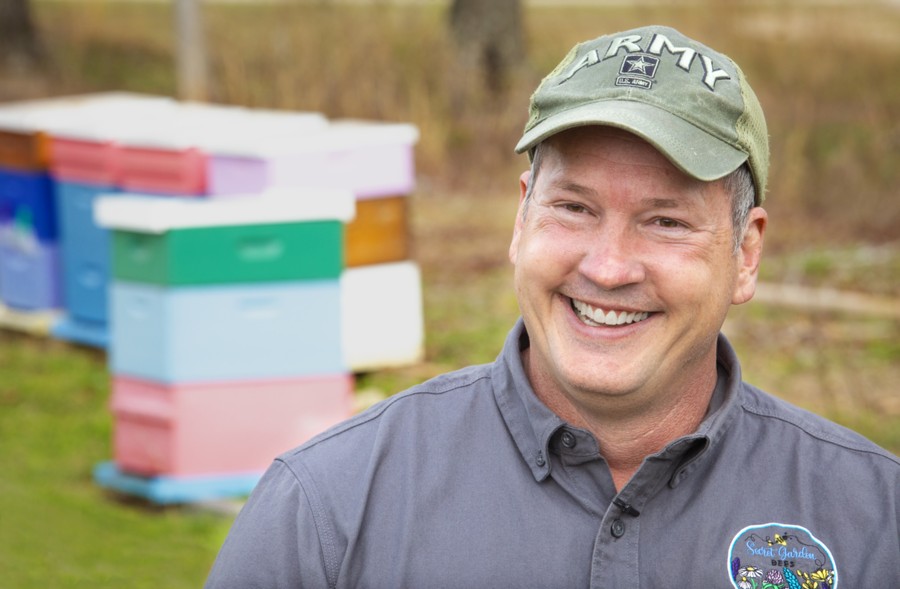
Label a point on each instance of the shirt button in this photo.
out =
(568, 440)
(540, 459)
(617, 529)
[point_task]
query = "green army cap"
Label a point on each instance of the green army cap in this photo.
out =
(689, 101)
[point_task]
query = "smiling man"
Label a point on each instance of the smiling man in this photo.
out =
(625, 270)
(613, 443)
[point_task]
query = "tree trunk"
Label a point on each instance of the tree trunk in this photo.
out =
(190, 57)
(488, 34)
(19, 44)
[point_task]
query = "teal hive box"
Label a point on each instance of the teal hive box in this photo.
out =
(273, 237)
(230, 254)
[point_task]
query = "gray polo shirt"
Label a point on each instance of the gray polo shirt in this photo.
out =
(468, 480)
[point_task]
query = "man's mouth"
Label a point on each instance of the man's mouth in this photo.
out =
(596, 316)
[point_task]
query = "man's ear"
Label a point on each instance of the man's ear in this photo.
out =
(749, 256)
(517, 228)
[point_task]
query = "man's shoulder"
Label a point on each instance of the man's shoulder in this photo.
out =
(778, 417)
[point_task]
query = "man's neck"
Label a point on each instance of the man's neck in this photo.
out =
(626, 433)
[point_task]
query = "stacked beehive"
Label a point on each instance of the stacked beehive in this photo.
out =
(235, 300)
(268, 358)
(225, 318)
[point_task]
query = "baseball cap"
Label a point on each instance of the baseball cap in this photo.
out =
(689, 101)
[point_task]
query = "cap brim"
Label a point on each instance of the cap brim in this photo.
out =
(691, 149)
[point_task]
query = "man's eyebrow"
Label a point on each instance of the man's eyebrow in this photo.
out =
(654, 202)
(573, 187)
(663, 203)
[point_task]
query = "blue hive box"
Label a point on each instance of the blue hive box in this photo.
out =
(26, 200)
(85, 251)
(29, 273)
(232, 332)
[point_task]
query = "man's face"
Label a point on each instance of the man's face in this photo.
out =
(625, 269)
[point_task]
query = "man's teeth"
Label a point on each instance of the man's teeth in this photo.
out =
(598, 316)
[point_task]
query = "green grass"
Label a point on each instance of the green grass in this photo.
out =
(57, 528)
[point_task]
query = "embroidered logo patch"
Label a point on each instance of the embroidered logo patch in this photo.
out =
(638, 71)
(780, 556)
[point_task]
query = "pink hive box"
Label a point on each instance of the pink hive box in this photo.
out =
(85, 162)
(220, 428)
(163, 171)
(85, 147)
(370, 159)
(170, 155)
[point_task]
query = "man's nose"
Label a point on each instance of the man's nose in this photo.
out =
(612, 257)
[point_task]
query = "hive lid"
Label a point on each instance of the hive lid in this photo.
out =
(340, 135)
(158, 214)
(209, 126)
(53, 115)
(109, 120)
(164, 123)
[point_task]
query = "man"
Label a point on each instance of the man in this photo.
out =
(612, 443)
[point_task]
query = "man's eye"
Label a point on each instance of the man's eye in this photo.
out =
(574, 208)
(668, 223)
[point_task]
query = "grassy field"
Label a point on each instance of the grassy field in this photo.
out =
(58, 529)
(825, 75)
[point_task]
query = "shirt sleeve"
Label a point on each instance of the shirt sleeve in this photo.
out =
(273, 542)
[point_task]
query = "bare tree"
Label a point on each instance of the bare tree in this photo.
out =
(190, 57)
(19, 44)
(488, 34)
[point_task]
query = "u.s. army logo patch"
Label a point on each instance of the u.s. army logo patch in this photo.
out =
(780, 556)
(638, 71)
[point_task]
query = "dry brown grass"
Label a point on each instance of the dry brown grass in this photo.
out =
(825, 73)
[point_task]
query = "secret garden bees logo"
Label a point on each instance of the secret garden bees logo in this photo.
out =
(780, 556)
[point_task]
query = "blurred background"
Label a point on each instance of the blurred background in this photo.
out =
(823, 332)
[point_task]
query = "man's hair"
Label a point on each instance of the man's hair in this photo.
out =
(739, 184)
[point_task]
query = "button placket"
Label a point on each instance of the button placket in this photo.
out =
(615, 559)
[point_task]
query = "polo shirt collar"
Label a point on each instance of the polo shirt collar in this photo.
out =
(725, 406)
(532, 425)
(529, 421)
